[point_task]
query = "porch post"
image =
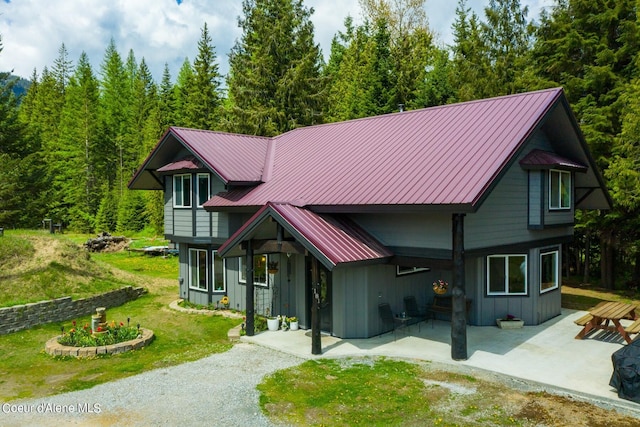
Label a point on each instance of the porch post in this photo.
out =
(459, 307)
(249, 290)
(316, 344)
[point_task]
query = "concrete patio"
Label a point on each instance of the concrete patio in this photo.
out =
(546, 356)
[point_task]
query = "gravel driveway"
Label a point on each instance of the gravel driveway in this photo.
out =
(216, 390)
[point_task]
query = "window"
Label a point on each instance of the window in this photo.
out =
(259, 270)
(218, 273)
(507, 275)
(559, 189)
(198, 275)
(548, 271)
(182, 191)
(408, 270)
(203, 188)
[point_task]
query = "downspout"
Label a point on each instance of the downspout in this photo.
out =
(459, 311)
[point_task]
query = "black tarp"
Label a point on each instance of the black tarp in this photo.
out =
(626, 371)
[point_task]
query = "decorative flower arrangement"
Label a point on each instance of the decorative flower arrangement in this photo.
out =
(225, 301)
(292, 319)
(284, 322)
(440, 286)
(112, 333)
(509, 318)
(272, 267)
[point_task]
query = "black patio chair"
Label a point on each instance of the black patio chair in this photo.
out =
(390, 323)
(412, 310)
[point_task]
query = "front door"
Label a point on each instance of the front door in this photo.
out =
(325, 296)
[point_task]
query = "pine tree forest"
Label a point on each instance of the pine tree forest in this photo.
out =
(69, 146)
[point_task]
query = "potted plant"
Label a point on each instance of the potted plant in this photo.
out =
(272, 267)
(293, 323)
(225, 302)
(440, 286)
(510, 322)
(273, 322)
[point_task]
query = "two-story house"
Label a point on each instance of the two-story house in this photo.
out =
(373, 201)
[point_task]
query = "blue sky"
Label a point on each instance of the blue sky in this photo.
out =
(162, 31)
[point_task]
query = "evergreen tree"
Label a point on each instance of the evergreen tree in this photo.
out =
(274, 79)
(589, 49)
(204, 95)
(508, 38)
(114, 114)
(16, 157)
(181, 90)
(74, 184)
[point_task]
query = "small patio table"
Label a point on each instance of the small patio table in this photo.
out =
(609, 312)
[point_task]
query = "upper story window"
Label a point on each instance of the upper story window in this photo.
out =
(182, 191)
(203, 188)
(559, 189)
(507, 275)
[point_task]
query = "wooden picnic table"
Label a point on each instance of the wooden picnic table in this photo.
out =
(600, 316)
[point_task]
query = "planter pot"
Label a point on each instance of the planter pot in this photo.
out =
(439, 291)
(293, 326)
(510, 324)
(273, 324)
(272, 271)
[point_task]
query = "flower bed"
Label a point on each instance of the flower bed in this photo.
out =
(54, 348)
(112, 333)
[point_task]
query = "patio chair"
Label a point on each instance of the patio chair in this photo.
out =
(411, 308)
(389, 323)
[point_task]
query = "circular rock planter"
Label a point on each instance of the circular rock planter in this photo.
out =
(54, 348)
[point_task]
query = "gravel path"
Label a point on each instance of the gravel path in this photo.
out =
(217, 390)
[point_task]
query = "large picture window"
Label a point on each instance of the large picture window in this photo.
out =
(259, 270)
(182, 191)
(198, 275)
(507, 275)
(548, 271)
(203, 188)
(559, 189)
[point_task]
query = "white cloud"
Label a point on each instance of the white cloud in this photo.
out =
(160, 30)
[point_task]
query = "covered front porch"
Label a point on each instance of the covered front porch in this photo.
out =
(336, 245)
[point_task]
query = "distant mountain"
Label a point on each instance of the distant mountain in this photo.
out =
(22, 85)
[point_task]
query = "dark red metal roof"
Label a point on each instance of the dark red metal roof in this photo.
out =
(538, 159)
(332, 240)
(446, 155)
(235, 158)
(184, 164)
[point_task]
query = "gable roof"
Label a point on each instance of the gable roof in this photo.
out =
(332, 240)
(445, 157)
(442, 156)
(235, 159)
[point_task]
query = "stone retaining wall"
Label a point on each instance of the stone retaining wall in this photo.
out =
(20, 317)
(54, 348)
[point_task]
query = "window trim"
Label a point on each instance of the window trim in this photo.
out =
(555, 252)
(181, 177)
(198, 176)
(206, 266)
(557, 205)
(506, 287)
(241, 271)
